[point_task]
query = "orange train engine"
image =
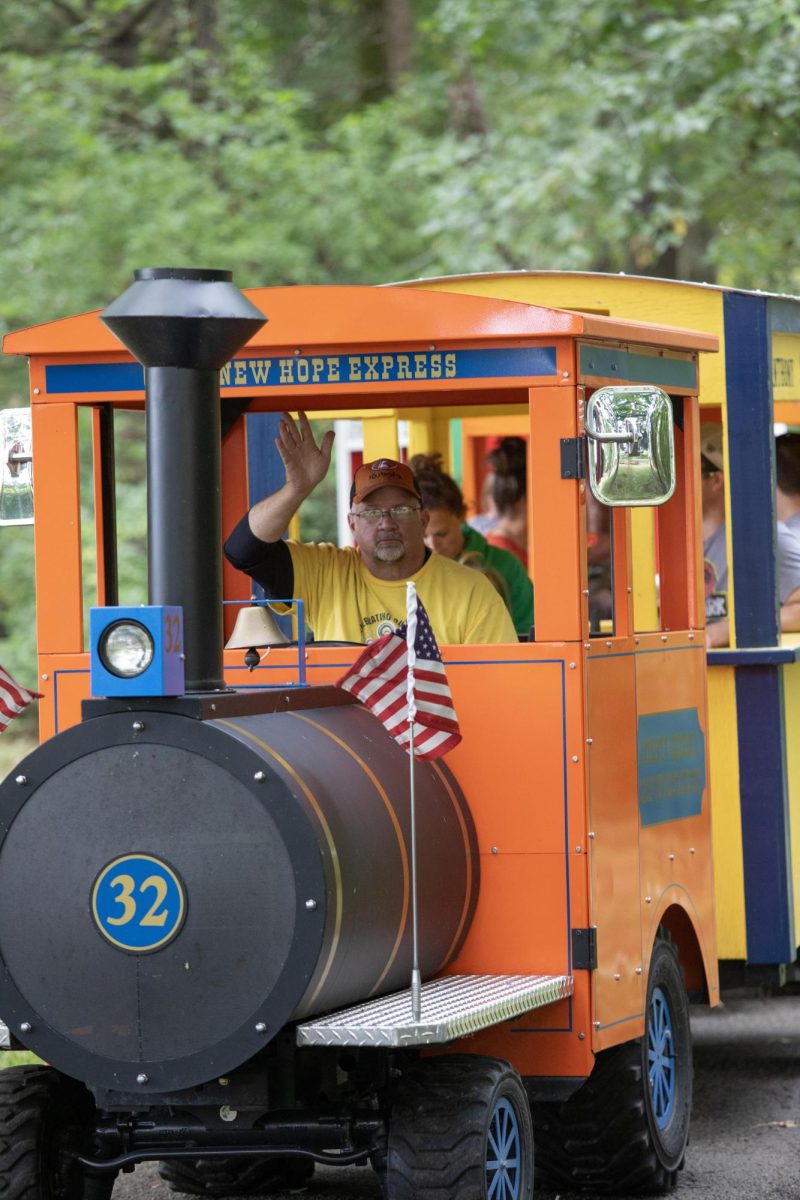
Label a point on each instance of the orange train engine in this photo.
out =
(216, 938)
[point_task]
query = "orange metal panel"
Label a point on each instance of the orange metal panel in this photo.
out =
(676, 525)
(676, 856)
(57, 529)
(64, 683)
(519, 709)
(530, 823)
(551, 1041)
(614, 848)
(520, 925)
(557, 517)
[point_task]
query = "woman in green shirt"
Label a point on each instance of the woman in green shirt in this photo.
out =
(449, 535)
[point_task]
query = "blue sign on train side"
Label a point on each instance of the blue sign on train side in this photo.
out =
(303, 370)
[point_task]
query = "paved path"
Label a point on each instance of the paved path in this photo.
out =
(745, 1142)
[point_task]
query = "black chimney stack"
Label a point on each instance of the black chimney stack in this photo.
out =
(183, 325)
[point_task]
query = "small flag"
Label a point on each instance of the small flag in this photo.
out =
(13, 699)
(379, 678)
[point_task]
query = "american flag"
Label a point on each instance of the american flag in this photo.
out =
(379, 677)
(13, 699)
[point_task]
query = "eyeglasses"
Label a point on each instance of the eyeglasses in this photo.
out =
(398, 512)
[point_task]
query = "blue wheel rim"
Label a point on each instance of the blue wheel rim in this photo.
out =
(661, 1070)
(503, 1154)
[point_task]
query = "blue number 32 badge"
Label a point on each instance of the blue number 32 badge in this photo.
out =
(138, 903)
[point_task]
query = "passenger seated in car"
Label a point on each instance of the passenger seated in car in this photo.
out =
(716, 554)
(358, 593)
(448, 533)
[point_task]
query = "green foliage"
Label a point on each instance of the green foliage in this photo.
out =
(19, 1058)
(318, 513)
(357, 141)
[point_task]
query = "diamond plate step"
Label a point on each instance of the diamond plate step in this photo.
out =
(451, 1008)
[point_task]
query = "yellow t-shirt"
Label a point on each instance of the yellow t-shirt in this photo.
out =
(346, 602)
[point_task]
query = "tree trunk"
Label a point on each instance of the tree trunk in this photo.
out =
(383, 46)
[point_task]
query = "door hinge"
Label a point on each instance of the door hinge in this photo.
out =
(584, 949)
(573, 458)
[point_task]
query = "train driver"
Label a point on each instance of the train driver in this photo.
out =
(358, 593)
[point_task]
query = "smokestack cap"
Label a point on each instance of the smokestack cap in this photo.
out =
(183, 317)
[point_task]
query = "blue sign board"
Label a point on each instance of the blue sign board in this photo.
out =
(309, 370)
(671, 750)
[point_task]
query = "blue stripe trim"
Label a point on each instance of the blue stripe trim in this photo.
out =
(605, 363)
(748, 382)
(307, 371)
(93, 377)
(622, 1021)
(769, 904)
(771, 656)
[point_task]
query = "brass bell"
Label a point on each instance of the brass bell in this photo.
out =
(255, 626)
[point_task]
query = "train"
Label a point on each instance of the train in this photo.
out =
(206, 866)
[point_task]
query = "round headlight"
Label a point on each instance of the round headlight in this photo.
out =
(126, 649)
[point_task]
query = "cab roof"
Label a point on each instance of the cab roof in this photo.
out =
(312, 318)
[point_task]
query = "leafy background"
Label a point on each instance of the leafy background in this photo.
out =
(361, 141)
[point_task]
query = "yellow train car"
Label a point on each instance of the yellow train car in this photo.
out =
(754, 686)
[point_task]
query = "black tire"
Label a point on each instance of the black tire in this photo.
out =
(447, 1117)
(235, 1176)
(614, 1134)
(43, 1116)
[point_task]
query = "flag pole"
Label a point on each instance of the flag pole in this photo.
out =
(411, 634)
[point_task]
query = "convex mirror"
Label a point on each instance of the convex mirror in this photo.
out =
(16, 467)
(631, 446)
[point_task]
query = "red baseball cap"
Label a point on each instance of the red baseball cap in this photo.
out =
(384, 472)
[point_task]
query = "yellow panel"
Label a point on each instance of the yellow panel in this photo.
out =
(726, 821)
(410, 414)
(380, 437)
(430, 435)
(786, 366)
(643, 549)
(791, 708)
(667, 302)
